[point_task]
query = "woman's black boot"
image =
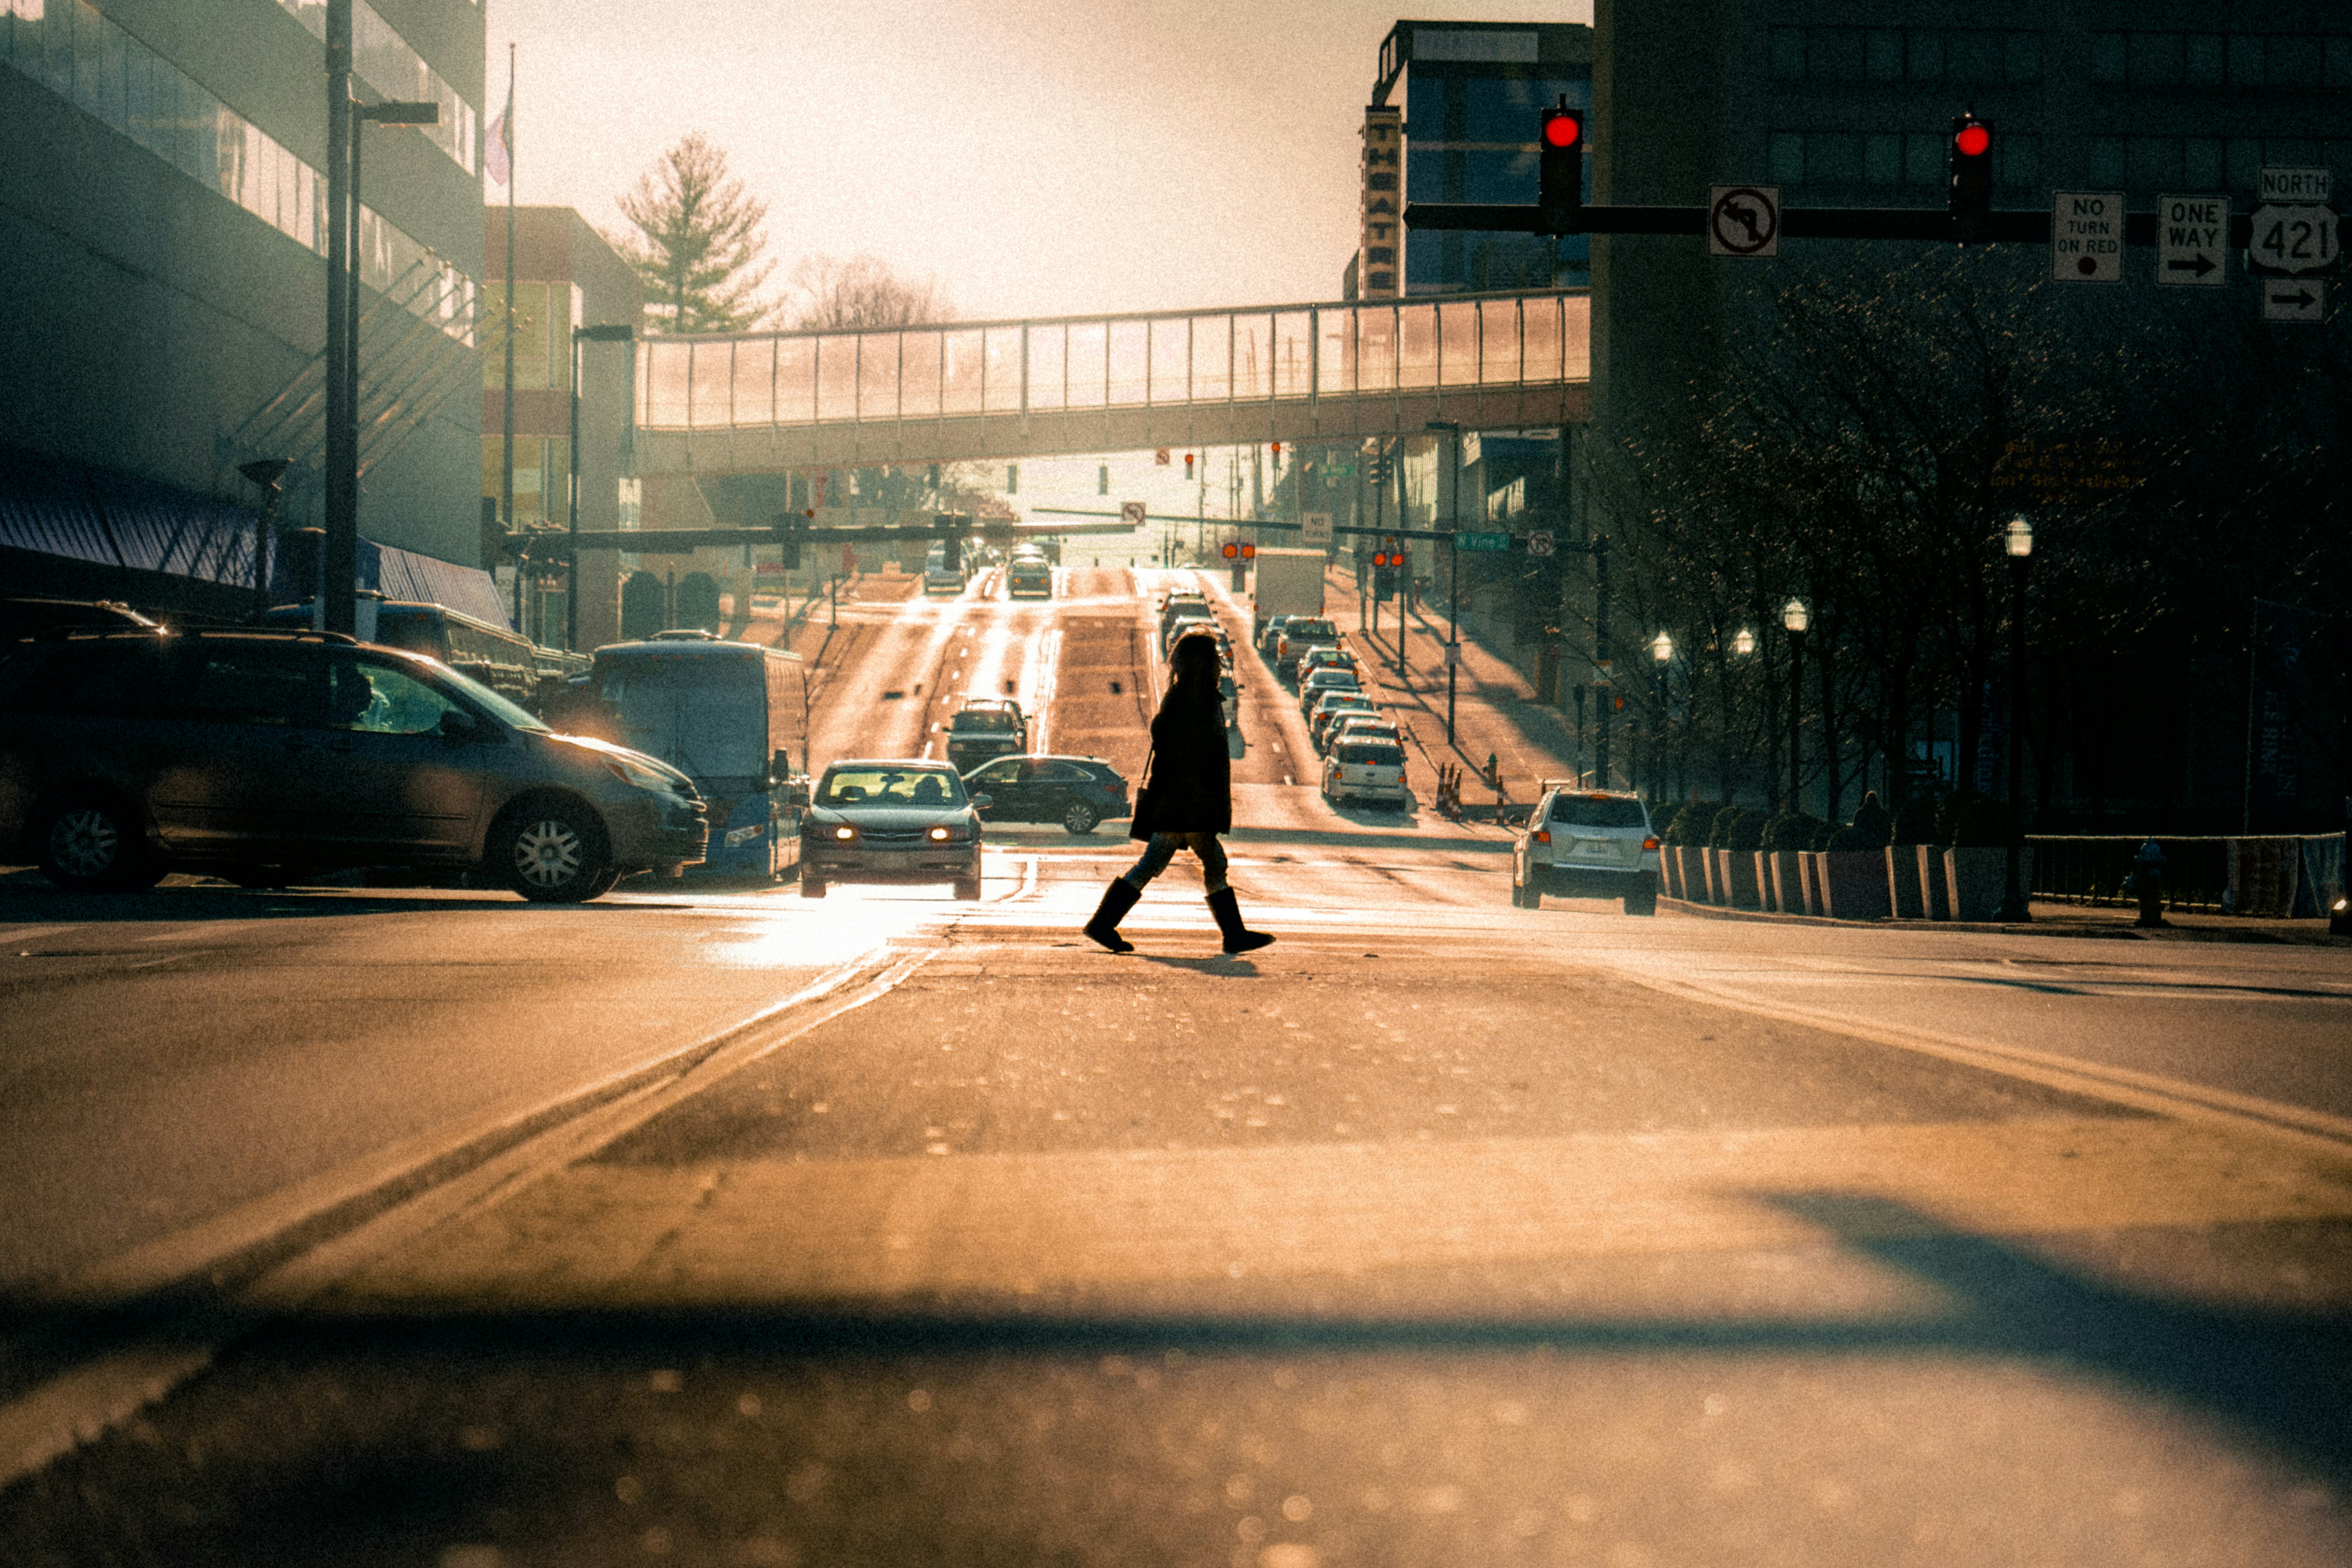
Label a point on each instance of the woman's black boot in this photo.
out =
(1239, 938)
(1116, 900)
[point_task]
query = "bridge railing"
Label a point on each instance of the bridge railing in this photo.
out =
(1273, 354)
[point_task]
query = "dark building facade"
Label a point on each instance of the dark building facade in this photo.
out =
(162, 236)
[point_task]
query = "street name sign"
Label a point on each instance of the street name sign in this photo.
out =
(1743, 220)
(1539, 542)
(1315, 527)
(2086, 237)
(1490, 543)
(2192, 241)
(1131, 512)
(2294, 299)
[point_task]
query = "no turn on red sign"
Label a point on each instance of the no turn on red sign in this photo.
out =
(2086, 237)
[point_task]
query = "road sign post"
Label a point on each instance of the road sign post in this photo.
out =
(2086, 237)
(2192, 241)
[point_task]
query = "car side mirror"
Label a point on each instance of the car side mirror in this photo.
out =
(982, 802)
(459, 726)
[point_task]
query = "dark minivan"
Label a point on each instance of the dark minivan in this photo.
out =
(262, 757)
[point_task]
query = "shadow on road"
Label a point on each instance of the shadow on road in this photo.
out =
(357, 1437)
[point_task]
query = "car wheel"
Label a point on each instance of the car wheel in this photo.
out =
(968, 889)
(90, 844)
(550, 852)
(1080, 818)
(813, 886)
(1641, 903)
(604, 883)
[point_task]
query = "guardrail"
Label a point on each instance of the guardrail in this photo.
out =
(2282, 876)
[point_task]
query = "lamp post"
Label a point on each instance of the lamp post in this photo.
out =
(1662, 656)
(605, 332)
(1795, 619)
(1453, 577)
(265, 473)
(2017, 538)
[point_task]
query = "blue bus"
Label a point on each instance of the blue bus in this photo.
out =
(733, 716)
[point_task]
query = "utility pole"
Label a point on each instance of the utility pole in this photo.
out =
(338, 583)
(1601, 659)
(507, 413)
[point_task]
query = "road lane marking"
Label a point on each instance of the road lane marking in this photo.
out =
(2153, 1092)
(765, 1231)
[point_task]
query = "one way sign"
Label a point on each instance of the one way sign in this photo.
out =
(2192, 236)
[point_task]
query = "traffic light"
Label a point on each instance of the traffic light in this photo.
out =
(788, 535)
(1102, 480)
(1013, 479)
(1559, 201)
(1188, 465)
(1971, 157)
(1231, 552)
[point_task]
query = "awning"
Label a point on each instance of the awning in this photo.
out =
(50, 507)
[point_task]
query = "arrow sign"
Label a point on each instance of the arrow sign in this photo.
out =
(2192, 238)
(2293, 299)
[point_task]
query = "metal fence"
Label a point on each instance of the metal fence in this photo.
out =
(2093, 870)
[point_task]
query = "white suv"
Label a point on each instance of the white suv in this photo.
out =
(1586, 844)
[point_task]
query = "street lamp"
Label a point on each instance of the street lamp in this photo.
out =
(1795, 619)
(1453, 577)
(605, 332)
(1743, 642)
(1662, 653)
(2017, 538)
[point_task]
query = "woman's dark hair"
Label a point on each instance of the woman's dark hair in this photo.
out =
(1193, 660)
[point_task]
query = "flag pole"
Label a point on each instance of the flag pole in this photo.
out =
(505, 465)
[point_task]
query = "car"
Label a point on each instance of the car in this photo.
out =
(891, 820)
(1326, 710)
(1364, 727)
(1586, 844)
(985, 727)
(263, 756)
(1184, 625)
(1180, 604)
(941, 576)
(1270, 634)
(1324, 680)
(1303, 633)
(1317, 658)
(1028, 575)
(1359, 767)
(1076, 792)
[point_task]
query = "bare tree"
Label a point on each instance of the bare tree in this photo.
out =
(861, 294)
(699, 243)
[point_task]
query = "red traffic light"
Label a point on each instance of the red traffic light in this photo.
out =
(1249, 552)
(1233, 550)
(1973, 140)
(1562, 130)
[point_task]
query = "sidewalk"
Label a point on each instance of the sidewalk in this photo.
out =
(1496, 712)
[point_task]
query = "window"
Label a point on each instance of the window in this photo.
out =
(252, 685)
(2108, 55)
(1925, 48)
(2205, 60)
(1973, 58)
(2017, 163)
(1924, 161)
(998, 774)
(1788, 45)
(2200, 163)
(2245, 59)
(109, 680)
(1579, 811)
(2156, 59)
(1834, 54)
(2338, 56)
(1884, 55)
(1963, 57)
(378, 699)
(1882, 160)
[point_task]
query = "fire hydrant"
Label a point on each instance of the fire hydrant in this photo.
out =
(2147, 881)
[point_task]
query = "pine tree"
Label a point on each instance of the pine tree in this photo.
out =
(698, 245)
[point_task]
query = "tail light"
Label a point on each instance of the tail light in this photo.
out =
(1649, 844)
(1543, 835)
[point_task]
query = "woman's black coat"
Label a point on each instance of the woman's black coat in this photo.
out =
(1191, 789)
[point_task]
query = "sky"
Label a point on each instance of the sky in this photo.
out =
(1036, 157)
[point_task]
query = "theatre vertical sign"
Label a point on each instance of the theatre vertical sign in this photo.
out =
(1382, 239)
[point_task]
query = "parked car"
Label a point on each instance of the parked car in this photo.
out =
(1316, 659)
(1312, 688)
(1326, 710)
(1270, 634)
(1374, 726)
(264, 756)
(1586, 844)
(1076, 792)
(1360, 768)
(891, 820)
(985, 727)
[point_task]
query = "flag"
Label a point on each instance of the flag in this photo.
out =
(497, 150)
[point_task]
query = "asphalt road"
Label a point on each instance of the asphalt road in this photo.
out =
(893, 1230)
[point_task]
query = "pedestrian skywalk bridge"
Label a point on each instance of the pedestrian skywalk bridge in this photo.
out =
(768, 402)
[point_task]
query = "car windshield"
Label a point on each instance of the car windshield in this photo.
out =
(506, 712)
(1311, 631)
(1373, 754)
(890, 786)
(1333, 680)
(1603, 811)
(987, 721)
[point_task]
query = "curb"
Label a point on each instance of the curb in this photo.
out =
(2116, 932)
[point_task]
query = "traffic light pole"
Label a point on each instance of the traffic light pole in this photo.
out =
(1796, 223)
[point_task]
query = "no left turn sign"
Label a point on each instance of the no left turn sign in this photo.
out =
(1131, 512)
(1743, 220)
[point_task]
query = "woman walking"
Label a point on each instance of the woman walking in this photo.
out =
(1186, 801)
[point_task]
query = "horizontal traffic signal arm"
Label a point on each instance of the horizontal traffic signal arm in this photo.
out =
(1796, 223)
(672, 540)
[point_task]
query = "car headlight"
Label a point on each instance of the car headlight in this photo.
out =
(842, 833)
